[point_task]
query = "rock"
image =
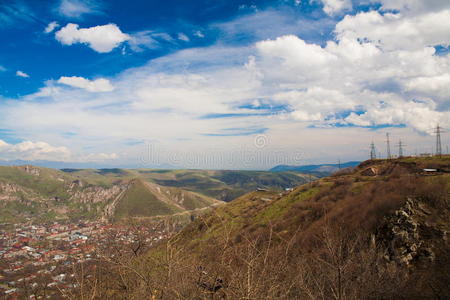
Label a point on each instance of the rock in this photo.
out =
(32, 170)
(401, 233)
(426, 255)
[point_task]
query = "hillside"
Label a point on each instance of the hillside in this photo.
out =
(41, 194)
(219, 184)
(320, 169)
(144, 199)
(380, 232)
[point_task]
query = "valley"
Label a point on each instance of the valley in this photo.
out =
(42, 194)
(379, 230)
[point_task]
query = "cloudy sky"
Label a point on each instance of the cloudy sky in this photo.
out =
(230, 84)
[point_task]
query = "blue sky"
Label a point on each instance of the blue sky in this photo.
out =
(29, 48)
(101, 82)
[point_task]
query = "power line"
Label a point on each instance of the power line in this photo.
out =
(400, 148)
(438, 141)
(373, 151)
(388, 146)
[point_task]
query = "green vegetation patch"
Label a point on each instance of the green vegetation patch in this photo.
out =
(140, 201)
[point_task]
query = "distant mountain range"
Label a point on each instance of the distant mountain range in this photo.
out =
(79, 165)
(315, 169)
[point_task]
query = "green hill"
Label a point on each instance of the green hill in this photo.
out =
(378, 232)
(144, 199)
(219, 184)
(41, 194)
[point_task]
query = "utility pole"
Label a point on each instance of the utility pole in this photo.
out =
(339, 163)
(438, 141)
(400, 148)
(373, 151)
(388, 146)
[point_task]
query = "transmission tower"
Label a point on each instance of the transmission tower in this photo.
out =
(400, 148)
(388, 146)
(438, 141)
(373, 151)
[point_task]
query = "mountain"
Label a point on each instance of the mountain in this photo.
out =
(219, 184)
(145, 199)
(379, 232)
(47, 194)
(41, 194)
(321, 169)
(75, 165)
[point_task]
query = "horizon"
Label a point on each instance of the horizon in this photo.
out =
(63, 166)
(234, 85)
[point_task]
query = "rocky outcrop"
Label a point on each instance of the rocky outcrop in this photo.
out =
(14, 192)
(110, 208)
(407, 236)
(371, 171)
(95, 194)
(32, 170)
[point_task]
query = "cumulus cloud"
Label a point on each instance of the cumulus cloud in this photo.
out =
(97, 85)
(333, 7)
(431, 86)
(395, 32)
(28, 150)
(380, 70)
(32, 151)
(22, 74)
(103, 38)
(77, 8)
(414, 6)
(51, 27)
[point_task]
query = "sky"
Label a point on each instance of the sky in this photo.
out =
(232, 84)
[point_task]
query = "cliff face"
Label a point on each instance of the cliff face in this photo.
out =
(96, 194)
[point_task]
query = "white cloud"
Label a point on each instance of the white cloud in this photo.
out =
(183, 37)
(395, 31)
(380, 70)
(102, 38)
(2, 68)
(431, 86)
(143, 39)
(28, 150)
(51, 27)
(414, 6)
(77, 8)
(96, 157)
(97, 85)
(22, 74)
(199, 34)
(333, 7)
(32, 151)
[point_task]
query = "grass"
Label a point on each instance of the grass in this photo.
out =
(362, 201)
(46, 184)
(140, 201)
(278, 208)
(223, 185)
